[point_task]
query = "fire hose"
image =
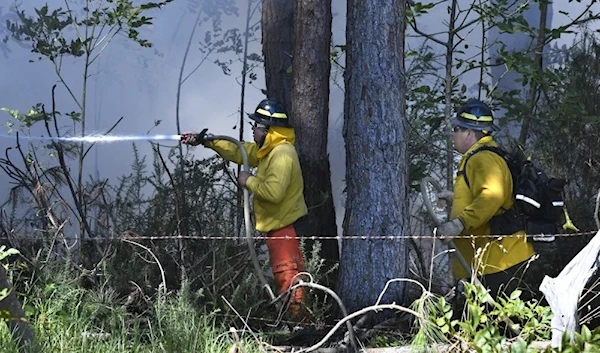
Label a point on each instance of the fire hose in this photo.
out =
(436, 220)
(457, 254)
(247, 220)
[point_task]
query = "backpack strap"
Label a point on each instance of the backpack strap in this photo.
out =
(499, 151)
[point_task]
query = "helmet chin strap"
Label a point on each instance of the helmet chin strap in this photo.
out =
(262, 140)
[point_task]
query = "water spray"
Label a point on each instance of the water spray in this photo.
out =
(97, 138)
(100, 138)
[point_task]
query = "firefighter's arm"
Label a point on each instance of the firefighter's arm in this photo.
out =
(230, 151)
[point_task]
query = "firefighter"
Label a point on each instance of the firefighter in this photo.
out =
(277, 187)
(483, 189)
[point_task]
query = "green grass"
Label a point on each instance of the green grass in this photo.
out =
(75, 320)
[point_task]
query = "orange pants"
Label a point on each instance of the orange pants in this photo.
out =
(286, 261)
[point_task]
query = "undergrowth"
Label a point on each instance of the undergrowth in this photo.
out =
(508, 324)
(68, 318)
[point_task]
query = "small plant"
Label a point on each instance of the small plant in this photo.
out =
(319, 305)
(584, 341)
(428, 330)
(68, 318)
(4, 253)
(381, 341)
(507, 325)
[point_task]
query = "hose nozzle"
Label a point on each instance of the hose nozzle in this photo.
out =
(199, 138)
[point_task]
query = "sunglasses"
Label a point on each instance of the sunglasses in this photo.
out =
(257, 125)
(457, 128)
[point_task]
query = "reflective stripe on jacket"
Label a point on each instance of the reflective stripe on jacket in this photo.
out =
(490, 193)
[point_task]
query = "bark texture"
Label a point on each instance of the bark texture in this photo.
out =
(310, 114)
(375, 133)
(302, 30)
(277, 24)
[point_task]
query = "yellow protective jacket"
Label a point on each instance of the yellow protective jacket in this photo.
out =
(490, 193)
(278, 186)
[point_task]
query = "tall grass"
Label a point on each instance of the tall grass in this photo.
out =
(67, 318)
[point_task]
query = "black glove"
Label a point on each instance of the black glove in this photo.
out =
(450, 229)
(445, 195)
(201, 137)
(195, 139)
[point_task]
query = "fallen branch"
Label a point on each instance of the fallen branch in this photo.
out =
(351, 334)
(356, 314)
(241, 318)
(441, 348)
(162, 271)
(347, 318)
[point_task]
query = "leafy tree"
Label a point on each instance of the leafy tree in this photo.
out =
(249, 63)
(214, 41)
(80, 33)
(438, 69)
(571, 111)
(528, 66)
(447, 57)
(227, 47)
(7, 15)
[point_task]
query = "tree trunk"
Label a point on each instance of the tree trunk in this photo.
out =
(375, 133)
(11, 310)
(448, 98)
(277, 23)
(310, 110)
(310, 114)
(538, 57)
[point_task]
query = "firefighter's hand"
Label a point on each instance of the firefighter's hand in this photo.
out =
(445, 195)
(449, 229)
(194, 138)
(243, 177)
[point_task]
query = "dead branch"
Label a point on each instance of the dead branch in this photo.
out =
(241, 318)
(351, 334)
(596, 210)
(357, 314)
(162, 271)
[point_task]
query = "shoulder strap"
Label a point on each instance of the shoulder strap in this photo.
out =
(499, 151)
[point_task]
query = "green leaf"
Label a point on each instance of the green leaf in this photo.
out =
(5, 314)
(12, 112)
(586, 335)
(4, 253)
(555, 33)
(520, 346)
(515, 294)
(422, 89)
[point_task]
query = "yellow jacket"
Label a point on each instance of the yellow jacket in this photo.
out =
(278, 186)
(490, 193)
